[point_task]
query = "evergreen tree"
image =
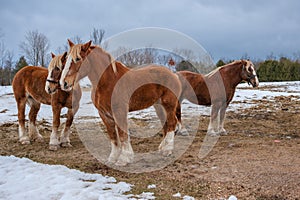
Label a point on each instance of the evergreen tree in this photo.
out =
(220, 63)
(20, 64)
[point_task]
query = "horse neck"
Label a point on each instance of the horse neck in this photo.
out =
(232, 74)
(99, 62)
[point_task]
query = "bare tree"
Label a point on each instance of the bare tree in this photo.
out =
(186, 54)
(137, 57)
(97, 36)
(2, 50)
(61, 50)
(35, 48)
(77, 39)
(9, 66)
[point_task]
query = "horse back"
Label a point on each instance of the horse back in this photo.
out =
(194, 88)
(30, 81)
(140, 87)
(156, 83)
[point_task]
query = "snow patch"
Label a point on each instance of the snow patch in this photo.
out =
(21, 178)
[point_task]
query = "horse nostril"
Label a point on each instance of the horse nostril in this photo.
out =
(49, 91)
(65, 85)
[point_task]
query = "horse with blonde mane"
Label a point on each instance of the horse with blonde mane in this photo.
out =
(30, 87)
(217, 89)
(118, 90)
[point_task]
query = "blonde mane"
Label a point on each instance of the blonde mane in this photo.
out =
(111, 59)
(219, 68)
(55, 62)
(212, 72)
(75, 53)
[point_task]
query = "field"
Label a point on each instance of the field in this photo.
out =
(258, 159)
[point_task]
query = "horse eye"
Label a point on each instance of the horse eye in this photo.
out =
(77, 59)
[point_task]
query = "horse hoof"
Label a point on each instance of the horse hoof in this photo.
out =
(108, 162)
(167, 153)
(212, 133)
(183, 132)
(125, 158)
(121, 163)
(53, 147)
(39, 139)
(223, 133)
(66, 144)
(24, 140)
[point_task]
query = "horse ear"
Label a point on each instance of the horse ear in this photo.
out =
(70, 43)
(52, 55)
(86, 46)
(64, 57)
(244, 62)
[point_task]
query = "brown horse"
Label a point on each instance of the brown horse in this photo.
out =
(118, 90)
(217, 89)
(29, 88)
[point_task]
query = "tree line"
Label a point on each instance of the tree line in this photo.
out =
(272, 69)
(35, 50)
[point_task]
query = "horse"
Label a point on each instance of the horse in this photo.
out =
(117, 90)
(217, 89)
(29, 88)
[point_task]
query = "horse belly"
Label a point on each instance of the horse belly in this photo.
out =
(41, 97)
(144, 97)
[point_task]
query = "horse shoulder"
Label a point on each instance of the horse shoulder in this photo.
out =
(230, 94)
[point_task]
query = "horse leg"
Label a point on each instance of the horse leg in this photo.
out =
(127, 154)
(32, 129)
(167, 145)
(160, 112)
(54, 142)
(213, 126)
(222, 113)
(21, 104)
(113, 136)
(65, 134)
(179, 130)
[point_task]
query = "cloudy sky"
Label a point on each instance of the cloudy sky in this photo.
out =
(227, 29)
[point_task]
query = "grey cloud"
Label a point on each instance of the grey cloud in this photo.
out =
(226, 29)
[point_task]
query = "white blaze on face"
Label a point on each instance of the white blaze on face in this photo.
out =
(66, 70)
(253, 70)
(48, 78)
(256, 78)
(254, 73)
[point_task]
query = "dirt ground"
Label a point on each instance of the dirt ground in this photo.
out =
(258, 159)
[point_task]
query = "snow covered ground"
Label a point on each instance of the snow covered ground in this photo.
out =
(21, 178)
(242, 99)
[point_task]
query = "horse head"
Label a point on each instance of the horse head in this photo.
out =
(248, 73)
(54, 72)
(76, 56)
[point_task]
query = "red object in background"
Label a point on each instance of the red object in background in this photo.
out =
(171, 62)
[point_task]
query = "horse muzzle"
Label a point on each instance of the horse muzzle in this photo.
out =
(67, 87)
(253, 80)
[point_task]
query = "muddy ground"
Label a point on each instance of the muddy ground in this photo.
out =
(258, 159)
